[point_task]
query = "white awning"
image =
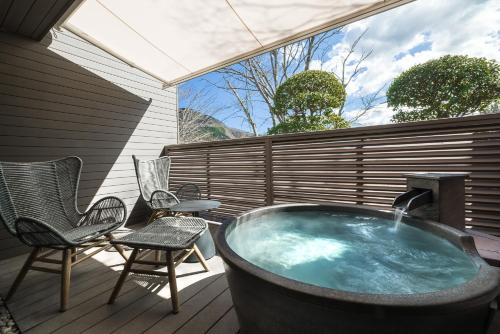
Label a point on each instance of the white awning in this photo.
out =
(175, 40)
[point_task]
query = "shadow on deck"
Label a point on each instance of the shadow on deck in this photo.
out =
(143, 305)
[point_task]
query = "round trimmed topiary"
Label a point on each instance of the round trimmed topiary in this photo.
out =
(309, 93)
(307, 102)
(451, 86)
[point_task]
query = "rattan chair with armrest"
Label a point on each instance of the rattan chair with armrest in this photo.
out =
(38, 205)
(188, 192)
(152, 178)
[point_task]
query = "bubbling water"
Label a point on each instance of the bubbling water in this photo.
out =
(351, 252)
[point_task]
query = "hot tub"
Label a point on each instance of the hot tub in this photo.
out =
(303, 268)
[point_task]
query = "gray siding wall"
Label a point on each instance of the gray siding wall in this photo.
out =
(63, 96)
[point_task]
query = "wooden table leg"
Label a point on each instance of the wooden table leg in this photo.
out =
(123, 276)
(172, 282)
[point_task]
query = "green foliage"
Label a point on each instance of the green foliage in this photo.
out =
(295, 124)
(309, 92)
(451, 86)
(307, 102)
(215, 132)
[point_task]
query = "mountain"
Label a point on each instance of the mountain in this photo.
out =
(195, 126)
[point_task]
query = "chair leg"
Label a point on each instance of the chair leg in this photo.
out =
(123, 276)
(152, 217)
(65, 278)
(200, 257)
(73, 256)
(172, 282)
(22, 273)
(157, 257)
(118, 248)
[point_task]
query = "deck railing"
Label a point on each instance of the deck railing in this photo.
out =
(358, 165)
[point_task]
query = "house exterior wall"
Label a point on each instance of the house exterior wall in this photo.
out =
(63, 96)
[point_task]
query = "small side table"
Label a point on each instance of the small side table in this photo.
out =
(167, 234)
(206, 242)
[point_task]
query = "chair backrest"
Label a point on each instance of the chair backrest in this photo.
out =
(187, 192)
(44, 191)
(152, 175)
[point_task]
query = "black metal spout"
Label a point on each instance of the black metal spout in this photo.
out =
(444, 195)
(413, 199)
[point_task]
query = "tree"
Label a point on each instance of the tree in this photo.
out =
(296, 124)
(307, 102)
(451, 86)
(256, 79)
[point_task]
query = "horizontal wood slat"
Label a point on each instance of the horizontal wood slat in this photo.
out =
(357, 166)
(66, 97)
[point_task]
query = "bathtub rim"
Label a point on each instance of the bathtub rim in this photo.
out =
(482, 288)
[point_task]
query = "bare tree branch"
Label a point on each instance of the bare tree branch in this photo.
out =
(345, 77)
(263, 74)
(244, 105)
(370, 102)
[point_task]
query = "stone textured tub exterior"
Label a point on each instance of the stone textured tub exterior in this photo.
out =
(269, 303)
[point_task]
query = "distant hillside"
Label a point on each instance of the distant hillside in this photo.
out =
(194, 126)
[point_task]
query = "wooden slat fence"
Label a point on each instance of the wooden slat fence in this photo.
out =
(358, 165)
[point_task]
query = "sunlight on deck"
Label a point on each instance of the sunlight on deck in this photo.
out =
(142, 306)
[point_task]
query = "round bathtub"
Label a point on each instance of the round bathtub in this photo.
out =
(303, 268)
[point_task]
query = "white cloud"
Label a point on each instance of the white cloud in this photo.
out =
(379, 115)
(412, 34)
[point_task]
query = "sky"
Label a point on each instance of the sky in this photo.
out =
(399, 38)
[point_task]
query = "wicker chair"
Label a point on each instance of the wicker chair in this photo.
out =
(152, 177)
(38, 206)
(188, 192)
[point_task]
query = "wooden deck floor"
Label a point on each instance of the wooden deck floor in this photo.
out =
(144, 303)
(142, 307)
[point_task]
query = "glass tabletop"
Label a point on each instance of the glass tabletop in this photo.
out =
(195, 205)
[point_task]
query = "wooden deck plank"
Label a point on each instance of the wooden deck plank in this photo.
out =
(11, 270)
(79, 308)
(146, 287)
(188, 287)
(172, 322)
(143, 306)
(80, 285)
(118, 319)
(228, 324)
(488, 246)
(103, 312)
(81, 281)
(97, 287)
(34, 279)
(47, 290)
(150, 316)
(214, 311)
(12, 265)
(52, 311)
(62, 319)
